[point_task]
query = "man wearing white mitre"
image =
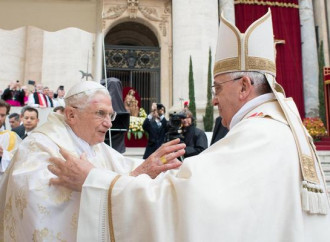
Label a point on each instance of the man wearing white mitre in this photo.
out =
(262, 182)
(35, 211)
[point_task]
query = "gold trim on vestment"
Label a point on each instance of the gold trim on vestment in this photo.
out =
(12, 139)
(327, 82)
(309, 170)
(227, 65)
(257, 63)
(267, 3)
(111, 230)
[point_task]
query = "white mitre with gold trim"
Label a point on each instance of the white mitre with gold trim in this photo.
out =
(254, 50)
(250, 51)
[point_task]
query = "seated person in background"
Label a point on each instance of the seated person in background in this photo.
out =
(9, 140)
(14, 95)
(50, 213)
(49, 99)
(14, 120)
(194, 138)
(219, 131)
(59, 96)
(38, 99)
(26, 94)
(156, 126)
(30, 120)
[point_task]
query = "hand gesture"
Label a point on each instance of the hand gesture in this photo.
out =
(71, 172)
(163, 159)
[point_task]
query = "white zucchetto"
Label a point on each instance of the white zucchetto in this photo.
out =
(83, 87)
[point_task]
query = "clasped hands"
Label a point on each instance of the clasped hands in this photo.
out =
(72, 172)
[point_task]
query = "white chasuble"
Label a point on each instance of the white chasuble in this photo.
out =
(36, 211)
(245, 187)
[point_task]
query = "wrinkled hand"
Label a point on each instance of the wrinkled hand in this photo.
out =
(154, 165)
(71, 172)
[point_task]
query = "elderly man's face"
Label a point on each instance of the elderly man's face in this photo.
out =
(226, 97)
(94, 120)
(39, 87)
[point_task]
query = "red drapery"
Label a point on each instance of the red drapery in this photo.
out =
(286, 25)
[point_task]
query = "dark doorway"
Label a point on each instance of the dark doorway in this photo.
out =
(132, 55)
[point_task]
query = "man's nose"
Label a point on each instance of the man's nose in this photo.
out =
(214, 101)
(107, 122)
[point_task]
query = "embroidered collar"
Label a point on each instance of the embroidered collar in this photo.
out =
(250, 105)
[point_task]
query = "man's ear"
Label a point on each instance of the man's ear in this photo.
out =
(246, 87)
(70, 114)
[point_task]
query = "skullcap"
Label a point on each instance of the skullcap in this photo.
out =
(83, 87)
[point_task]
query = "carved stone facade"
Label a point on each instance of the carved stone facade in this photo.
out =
(156, 16)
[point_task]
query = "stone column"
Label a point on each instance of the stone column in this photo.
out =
(320, 14)
(34, 54)
(98, 45)
(98, 57)
(228, 9)
(309, 58)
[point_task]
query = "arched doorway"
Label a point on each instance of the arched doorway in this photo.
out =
(133, 56)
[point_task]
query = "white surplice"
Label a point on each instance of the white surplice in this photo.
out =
(245, 187)
(9, 142)
(35, 211)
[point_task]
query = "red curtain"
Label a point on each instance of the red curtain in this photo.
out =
(286, 25)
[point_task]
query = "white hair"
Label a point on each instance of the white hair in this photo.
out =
(258, 78)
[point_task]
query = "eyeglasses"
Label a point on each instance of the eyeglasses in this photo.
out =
(218, 85)
(101, 114)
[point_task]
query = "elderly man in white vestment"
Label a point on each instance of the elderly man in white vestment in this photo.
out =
(262, 182)
(35, 211)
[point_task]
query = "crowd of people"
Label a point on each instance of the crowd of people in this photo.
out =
(23, 123)
(34, 95)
